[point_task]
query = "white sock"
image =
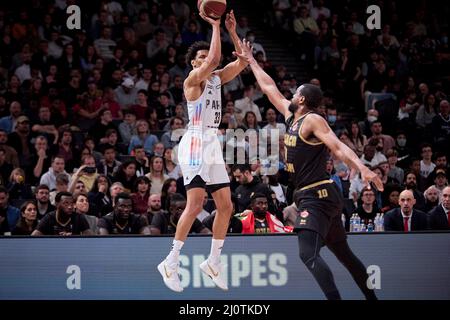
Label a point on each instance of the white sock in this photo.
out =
(175, 252)
(216, 249)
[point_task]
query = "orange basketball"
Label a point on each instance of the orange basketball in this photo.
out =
(212, 8)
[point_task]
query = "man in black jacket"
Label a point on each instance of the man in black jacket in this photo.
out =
(248, 185)
(439, 217)
(405, 218)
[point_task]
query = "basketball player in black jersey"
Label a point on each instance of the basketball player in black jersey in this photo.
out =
(308, 138)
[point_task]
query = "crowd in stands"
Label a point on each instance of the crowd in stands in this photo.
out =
(90, 119)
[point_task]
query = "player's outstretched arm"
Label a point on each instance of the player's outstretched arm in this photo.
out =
(212, 60)
(231, 70)
(268, 86)
(230, 24)
(317, 126)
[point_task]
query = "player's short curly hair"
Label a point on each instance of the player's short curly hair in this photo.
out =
(313, 95)
(194, 48)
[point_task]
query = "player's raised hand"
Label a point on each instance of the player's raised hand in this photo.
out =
(247, 51)
(211, 21)
(368, 177)
(230, 21)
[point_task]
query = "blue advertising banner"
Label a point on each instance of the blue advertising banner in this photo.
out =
(401, 266)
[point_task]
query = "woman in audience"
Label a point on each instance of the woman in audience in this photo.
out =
(28, 219)
(172, 170)
(99, 197)
(249, 121)
(357, 138)
(156, 174)
(169, 187)
(81, 206)
(126, 174)
(141, 193)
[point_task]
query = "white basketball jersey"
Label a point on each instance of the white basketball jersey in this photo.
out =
(205, 112)
(200, 146)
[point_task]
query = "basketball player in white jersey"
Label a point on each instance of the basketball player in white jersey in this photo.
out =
(200, 153)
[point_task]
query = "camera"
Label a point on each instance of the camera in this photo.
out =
(89, 170)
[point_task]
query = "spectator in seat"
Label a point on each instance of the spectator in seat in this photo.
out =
(108, 165)
(441, 164)
(62, 184)
(431, 198)
(20, 139)
(126, 94)
(10, 153)
(392, 192)
(172, 169)
(63, 221)
(272, 124)
(439, 217)
(368, 208)
(140, 109)
(87, 172)
(156, 175)
(103, 124)
(176, 124)
(122, 220)
(440, 180)
(40, 160)
(9, 215)
(371, 156)
(405, 218)
(126, 174)
(242, 106)
(426, 164)
(394, 172)
(128, 128)
(28, 219)
(377, 132)
(42, 196)
(141, 160)
(100, 200)
(8, 123)
(81, 206)
(153, 206)
(143, 137)
(249, 184)
(49, 178)
(169, 187)
(18, 188)
(45, 126)
(411, 184)
(165, 222)
(259, 220)
(141, 193)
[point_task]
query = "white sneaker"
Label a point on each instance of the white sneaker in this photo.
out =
(170, 275)
(214, 271)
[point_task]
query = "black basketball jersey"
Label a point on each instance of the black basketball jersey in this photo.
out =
(305, 161)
